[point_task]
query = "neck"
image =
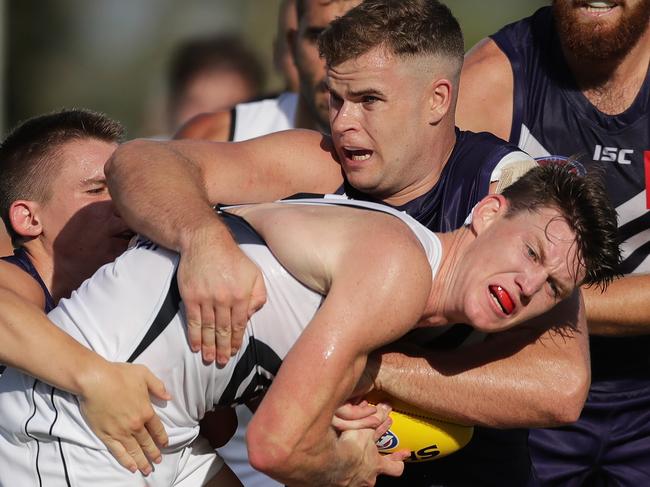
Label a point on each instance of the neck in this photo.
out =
(612, 86)
(433, 158)
(57, 280)
(443, 307)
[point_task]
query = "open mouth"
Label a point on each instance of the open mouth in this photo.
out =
(599, 7)
(357, 154)
(501, 297)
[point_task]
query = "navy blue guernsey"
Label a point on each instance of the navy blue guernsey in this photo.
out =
(552, 116)
(21, 259)
(464, 181)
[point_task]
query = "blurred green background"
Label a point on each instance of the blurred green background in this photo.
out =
(113, 55)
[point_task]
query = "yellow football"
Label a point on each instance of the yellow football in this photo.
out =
(426, 437)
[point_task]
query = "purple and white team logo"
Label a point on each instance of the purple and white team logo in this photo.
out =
(569, 163)
(387, 441)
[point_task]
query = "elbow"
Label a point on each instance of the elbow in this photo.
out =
(125, 156)
(567, 398)
(266, 454)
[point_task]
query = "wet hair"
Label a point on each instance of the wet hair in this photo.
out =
(30, 154)
(583, 202)
(406, 28)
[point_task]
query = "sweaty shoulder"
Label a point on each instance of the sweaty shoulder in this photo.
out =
(485, 97)
(207, 126)
(16, 280)
(317, 242)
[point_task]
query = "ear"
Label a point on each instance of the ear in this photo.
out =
(487, 211)
(24, 218)
(440, 100)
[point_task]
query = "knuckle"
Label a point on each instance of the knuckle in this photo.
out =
(222, 332)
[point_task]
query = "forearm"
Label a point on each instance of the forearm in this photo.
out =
(623, 309)
(331, 462)
(296, 446)
(33, 344)
(521, 378)
(161, 194)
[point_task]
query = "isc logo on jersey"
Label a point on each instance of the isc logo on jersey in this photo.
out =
(612, 154)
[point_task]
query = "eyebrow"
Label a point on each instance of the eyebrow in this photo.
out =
(564, 292)
(93, 180)
(356, 93)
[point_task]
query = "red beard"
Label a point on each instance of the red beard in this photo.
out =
(598, 41)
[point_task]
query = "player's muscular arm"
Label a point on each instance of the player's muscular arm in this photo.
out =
(114, 397)
(623, 309)
(365, 273)
(164, 190)
(207, 126)
(527, 376)
(485, 95)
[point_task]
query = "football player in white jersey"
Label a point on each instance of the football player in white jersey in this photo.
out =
(336, 272)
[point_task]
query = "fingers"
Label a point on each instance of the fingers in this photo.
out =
(239, 319)
(220, 292)
(208, 329)
(157, 433)
(351, 411)
(119, 453)
(222, 334)
(350, 417)
(155, 386)
(194, 330)
(134, 450)
(148, 446)
(393, 463)
(383, 428)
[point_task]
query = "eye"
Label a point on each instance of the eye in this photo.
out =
(531, 253)
(369, 99)
(98, 190)
(554, 289)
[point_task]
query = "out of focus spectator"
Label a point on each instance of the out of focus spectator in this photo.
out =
(282, 59)
(209, 74)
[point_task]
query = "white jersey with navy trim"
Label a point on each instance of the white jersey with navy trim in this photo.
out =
(263, 117)
(250, 120)
(43, 438)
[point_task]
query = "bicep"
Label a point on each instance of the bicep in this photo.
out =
(485, 98)
(377, 293)
(265, 168)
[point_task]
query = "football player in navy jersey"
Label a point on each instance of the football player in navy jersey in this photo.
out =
(573, 79)
(393, 71)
